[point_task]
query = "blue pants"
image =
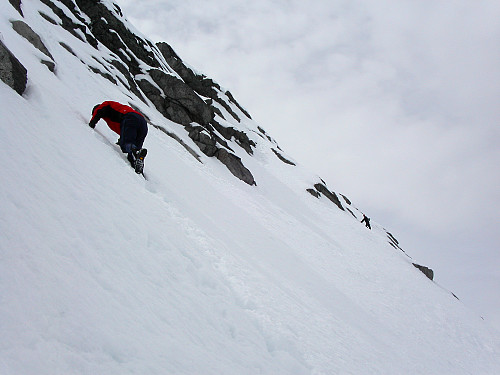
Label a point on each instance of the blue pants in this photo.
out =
(133, 131)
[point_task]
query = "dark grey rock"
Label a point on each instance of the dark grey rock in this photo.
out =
(346, 199)
(48, 18)
(265, 134)
(17, 5)
(352, 213)
(313, 192)
(425, 270)
(111, 32)
(27, 32)
(106, 75)
(154, 94)
(180, 103)
(394, 242)
(205, 142)
(282, 158)
(50, 65)
(12, 72)
(131, 82)
(68, 24)
(199, 82)
(240, 137)
(68, 48)
(235, 166)
(231, 98)
(329, 194)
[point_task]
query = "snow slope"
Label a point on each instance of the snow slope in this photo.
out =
(192, 271)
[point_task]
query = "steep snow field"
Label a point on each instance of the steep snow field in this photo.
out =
(192, 271)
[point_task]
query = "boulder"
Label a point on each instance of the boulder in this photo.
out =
(49, 64)
(27, 32)
(235, 166)
(17, 5)
(111, 32)
(77, 29)
(179, 102)
(12, 72)
(282, 158)
(204, 141)
(313, 192)
(199, 82)
(425, 270)
(329, 194)
(240, 137)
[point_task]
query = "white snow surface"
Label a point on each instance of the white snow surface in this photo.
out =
(192, 271)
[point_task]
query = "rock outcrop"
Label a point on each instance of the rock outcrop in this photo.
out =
(282, 158)
(425, 270)
(17, 5)
(199, 82)
(321, 189)
(180, 104)
(27, 32)
(12, 72)
(234, 164)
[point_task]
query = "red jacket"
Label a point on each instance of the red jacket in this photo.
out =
(112, 113)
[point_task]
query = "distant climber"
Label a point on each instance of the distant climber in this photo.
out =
(366, 220)
(129, 124)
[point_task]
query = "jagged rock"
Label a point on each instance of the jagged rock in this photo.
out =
(179, 104)
(352, 213)
(50, 65)
(393, 239)
(204, 141)
(235, 166)
(240, 137)
(68, 48)
(313, 192)
(111, 32)
(27, 32)
(425, 270)
(48, 18)
(108, 76)
(321, 188)
(282, 158)
(394, 242)
(231, 98)
(267, 136)
(12, 72)
(216, 110)
(17, 5)
(346, 199)
(199, 82)
(132, 84)
(170, 110)
(68, 24)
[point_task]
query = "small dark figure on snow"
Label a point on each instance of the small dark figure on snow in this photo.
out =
(129, 124)
(366, 220)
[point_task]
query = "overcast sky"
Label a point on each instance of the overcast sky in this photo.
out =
(394, 103)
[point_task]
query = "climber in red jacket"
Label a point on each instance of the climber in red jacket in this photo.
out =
(129, 124)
